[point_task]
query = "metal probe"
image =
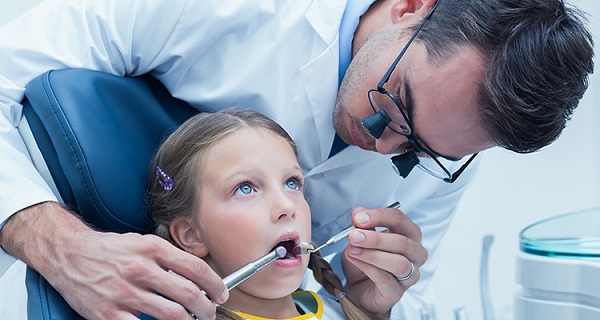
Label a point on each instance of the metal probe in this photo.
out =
(304, 248)
(245, 272)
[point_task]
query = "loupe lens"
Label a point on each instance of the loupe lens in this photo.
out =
(376, 123)
(404, 163)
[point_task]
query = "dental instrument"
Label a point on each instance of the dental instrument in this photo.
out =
(304, 248)
(248, 270)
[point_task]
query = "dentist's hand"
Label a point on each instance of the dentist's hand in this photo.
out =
(109, 275)
(376, 262)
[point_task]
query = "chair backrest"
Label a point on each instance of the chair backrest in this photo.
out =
(97, 133)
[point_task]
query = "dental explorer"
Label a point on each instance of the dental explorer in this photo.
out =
(245, 272)
(304, 248)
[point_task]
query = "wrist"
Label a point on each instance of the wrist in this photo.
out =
(38, 232)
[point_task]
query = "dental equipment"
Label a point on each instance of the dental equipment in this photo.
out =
(304, 248)
(486, 296)
(245, 272)
(558, 268)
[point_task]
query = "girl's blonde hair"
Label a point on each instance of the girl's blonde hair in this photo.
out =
(179, 155)
(178, 158)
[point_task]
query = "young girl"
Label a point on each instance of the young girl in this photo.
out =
(227, 187)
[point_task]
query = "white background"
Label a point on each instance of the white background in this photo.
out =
(511, 192)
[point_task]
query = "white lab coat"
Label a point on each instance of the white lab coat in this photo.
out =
(277, 57)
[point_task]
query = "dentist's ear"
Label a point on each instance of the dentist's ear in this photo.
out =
(409, 8)
(188, 237)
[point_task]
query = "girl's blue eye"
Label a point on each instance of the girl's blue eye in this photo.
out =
(244, 189)
(292, 184)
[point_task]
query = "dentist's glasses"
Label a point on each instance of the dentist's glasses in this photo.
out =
(391, 113)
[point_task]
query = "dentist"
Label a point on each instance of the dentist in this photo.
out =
(477, 74)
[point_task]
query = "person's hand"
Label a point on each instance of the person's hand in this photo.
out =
(110, 275)
(381, 266)
(121, 275)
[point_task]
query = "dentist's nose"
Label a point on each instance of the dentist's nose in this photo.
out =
(391, 142)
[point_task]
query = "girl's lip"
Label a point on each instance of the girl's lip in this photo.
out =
(293, 262)
(291, 235)
(289, 263)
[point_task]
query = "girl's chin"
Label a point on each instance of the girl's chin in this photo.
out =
(274, 287)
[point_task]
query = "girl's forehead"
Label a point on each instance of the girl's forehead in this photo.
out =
(244, 144)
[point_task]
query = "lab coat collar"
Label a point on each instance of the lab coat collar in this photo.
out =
(349, 156)
(324, 17)
(354, 10)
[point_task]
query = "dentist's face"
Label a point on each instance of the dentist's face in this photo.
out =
(250, 200)
(441, 99)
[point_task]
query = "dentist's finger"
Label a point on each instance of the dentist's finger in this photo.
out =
(198, 272)
(389, 242)
(383, 267)
(393, 219)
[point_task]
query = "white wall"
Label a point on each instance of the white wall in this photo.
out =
(511, 192)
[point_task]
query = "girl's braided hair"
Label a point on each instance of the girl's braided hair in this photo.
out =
(174, 170)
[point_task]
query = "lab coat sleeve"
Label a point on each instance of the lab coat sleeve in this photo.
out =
(57, 34)
(433, 215)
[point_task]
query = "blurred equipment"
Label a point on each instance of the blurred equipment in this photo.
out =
(484, 285)
(558, 268)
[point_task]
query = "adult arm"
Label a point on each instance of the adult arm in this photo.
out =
(120, 274)
(101, 275)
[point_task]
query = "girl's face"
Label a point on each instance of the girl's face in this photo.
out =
(250, 200)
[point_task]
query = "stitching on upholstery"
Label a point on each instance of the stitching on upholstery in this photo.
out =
(71, 144)
(47, 87)
(41, 286)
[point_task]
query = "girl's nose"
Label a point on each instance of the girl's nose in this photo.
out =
(285, 213)
(284, 208)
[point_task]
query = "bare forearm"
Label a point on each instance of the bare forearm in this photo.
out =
(32, 234)
(105, 275)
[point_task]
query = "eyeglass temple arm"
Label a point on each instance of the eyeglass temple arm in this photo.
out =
(461, 169)
(386, 76)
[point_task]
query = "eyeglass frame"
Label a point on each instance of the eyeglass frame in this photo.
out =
(412, 139)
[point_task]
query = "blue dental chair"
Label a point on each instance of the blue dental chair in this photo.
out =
(97, 134)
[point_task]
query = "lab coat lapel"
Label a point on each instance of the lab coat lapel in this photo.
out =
(320, 75)
(350, 156)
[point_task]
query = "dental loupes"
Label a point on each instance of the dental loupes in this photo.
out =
(245, 272)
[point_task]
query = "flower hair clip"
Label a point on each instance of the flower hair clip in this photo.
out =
(163, 179)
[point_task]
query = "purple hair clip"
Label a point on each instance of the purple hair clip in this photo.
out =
(163, 179)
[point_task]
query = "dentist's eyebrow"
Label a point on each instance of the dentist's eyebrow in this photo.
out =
(408, 105)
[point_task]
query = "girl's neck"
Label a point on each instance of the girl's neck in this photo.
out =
(267, 308)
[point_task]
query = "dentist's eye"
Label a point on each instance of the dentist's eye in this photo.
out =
(244, 188)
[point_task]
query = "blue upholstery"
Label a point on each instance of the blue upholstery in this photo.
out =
(97, 133)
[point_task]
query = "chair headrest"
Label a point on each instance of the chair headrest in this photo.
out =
(98, 133)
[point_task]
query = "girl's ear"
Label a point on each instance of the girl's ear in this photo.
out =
(407, 8)
(188, 237)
